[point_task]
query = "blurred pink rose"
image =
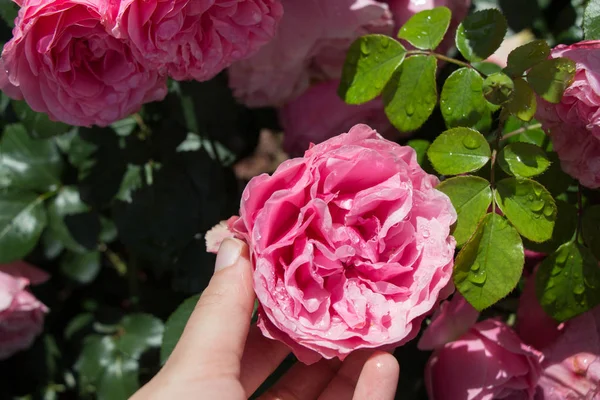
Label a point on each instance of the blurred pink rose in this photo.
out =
(574, 124)
(488, 362)
(534, 326)
(194, 39)
(65, 64)
(21, 314)
(351, 246)
(310, 44)
(449, 322)
(320, 114)
(572, 363)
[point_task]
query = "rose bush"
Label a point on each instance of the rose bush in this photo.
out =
(574, 123)
(21, 314)
(347, 256)
(488, 362)
(65, 63)
(194, 39)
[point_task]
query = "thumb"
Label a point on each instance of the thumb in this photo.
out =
(215, 335)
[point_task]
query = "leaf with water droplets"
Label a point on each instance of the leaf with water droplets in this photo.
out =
(471, 196)
(458, 151)
(564, 229)
(526, 56)
(490, 264)
(426, 29)
(568, 282)
(370, 63)
(411, 95)
(591, 229)
(550, 78)
(591, 20)
(481, 34)
(528, 206)
(523, 103)
(462, 102)
(523, 159)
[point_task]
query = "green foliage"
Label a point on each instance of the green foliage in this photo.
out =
(420, 147)
(462, 102)
(591, 229)
(411, 94)
(550, 78)
(458, 151)
(81, 267)
(490, 264)
(526, 56)
(426, 29)
(528, 206)
(38, 125)
(591, 20)
(523, 104)
(564, 228)
(567, 282)
(523, 160)
(480, 34)
(471, 196)
(175, 325)
(369, 65)
(498, 88)
(66, 203)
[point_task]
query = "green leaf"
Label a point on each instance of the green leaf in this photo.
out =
(533, 135)
(426, 29)
(22, 219)
(370, 63)
(564, 229)
(498, 88)
(411, 95)
(523, 160)
(471, 196)
(38, 124)
(490, 264)
(568, 282)
(555, 179)
(95, 356)
(486, 67)
(459, 150)
(591, 20)
(119, 381)
(523, 104)
(550, 78)
(526, 56)
(175, 325)
(420, 146)
(528, 206)
(8, 12)
(140, 332)
(591, 229)
(26, 163)
(481, 34)
(77, 324)
(67, 202)
(462, 102)
(81, 267)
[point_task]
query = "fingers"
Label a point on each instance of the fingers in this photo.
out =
(379, 378)
(261, 357)
(303, 382)
(214, 337)
(342, 385)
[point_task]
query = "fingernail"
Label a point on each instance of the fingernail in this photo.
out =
(229, 252)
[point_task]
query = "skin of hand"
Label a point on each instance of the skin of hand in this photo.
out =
(220, 356)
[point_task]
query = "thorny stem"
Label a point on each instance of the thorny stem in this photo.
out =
(521, 130)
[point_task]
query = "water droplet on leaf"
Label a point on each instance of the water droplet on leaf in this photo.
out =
(410, 109)
(548, 210)
(478, 278)
(471, 143)
(475, 267)
(579, 288)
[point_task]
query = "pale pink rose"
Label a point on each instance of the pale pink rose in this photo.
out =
(194, 39)
(320, 114)
(310, 44)
(534, 326)
(574, 123)
(350, 245)
(572, 363)
(488, 362)
(65, 64)
(21, 314)
(449, 322)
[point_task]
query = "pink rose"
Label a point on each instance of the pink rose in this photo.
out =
(449, 322)
(351, 246)
(320, 114)
(194, 39)
(488, 362)
(65, 64)
(310, 44)
(572, 363)
(574, 123)
(21, 314)
(534, 326)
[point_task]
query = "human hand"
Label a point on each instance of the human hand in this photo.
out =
(220, 356)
